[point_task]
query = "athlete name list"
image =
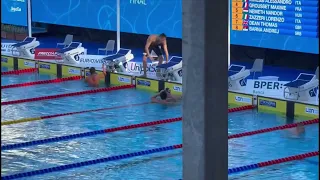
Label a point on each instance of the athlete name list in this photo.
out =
(287, 17)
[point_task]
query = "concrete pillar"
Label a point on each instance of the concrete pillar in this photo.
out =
(205, 87)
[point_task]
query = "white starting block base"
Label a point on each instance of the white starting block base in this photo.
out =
(237, 77)
(26, 47)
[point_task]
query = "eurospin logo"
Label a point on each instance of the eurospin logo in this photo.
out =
(124, 79)
(243, 99)
(310, 110)
(44, 66)
(268, 103)
(74, 71)
(89, 60)
(177, 88)
(144, 83)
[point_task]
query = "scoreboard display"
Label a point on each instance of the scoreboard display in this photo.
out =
(277, 24)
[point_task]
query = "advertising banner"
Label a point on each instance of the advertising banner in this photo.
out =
(136, 68)
(47, 54)
(14, 12)
(118, 79)
(8, 50)
(176, 89)
(7, 61)
(147, 84)
(274, 89)
(25, 64)
(68, 71)
(48, 68)
(90, 60)
(269, 104)
(237, 99)
(306, 111)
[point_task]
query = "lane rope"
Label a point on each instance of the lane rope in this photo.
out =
(58, 80)
(20, 71)
(10, 122)
(140, 125)
(92, 162)
(87, 134)
(260, 131)
(272, 162)
(68, 94)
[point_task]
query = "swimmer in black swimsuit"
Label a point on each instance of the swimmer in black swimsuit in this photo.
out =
(155, 43)
(164, 97)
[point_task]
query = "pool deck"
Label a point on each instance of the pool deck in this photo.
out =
(284, 74)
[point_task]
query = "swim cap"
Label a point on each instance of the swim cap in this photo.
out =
(92, 70)
(163, 95)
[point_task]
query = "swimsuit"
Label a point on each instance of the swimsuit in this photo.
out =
(156, 48)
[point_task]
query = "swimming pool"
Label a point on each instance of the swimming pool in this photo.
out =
(165, 165)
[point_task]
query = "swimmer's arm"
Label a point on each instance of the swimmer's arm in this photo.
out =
(171, 98)
(104, 70)
(174, 98)
(155, 100)
(156, 95)
(165, 48)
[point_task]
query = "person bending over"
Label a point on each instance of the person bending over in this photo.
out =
(94, 78)
(164, 97)
(155, 43)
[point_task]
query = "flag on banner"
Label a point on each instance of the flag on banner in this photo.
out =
(245, 28)
(245, 25)
(245, 7)
(245, 16)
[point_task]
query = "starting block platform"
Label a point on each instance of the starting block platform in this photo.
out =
(302, 88)
(237, 76)
(117, 62)
(26, 47)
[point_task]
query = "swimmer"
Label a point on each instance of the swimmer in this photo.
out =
(155, 43)
(164, 97)
(298, 131)
(94, 78)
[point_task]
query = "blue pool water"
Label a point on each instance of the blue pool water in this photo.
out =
(161, 166)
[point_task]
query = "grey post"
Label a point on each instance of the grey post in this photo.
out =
(205, 89)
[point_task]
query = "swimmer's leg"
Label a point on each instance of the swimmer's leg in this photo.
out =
(160, 58)
(144, 60)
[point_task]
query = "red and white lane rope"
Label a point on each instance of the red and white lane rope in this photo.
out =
(20, 71)
(58, 80)
(93, 91)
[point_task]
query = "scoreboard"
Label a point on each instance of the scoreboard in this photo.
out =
(277, 24)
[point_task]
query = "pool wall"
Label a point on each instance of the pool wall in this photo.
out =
(272, 105)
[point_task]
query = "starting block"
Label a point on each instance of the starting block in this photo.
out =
(26, 47)
(237, 75)
(70, 53)
(304, 87)
(118, 62)
(171, 71)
